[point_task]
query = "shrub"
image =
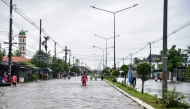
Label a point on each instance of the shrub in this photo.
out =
(173, 98)
(32, 77)
(116, 73)
(114, 80)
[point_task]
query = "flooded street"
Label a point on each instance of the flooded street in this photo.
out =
(64, 94)
(155, 88)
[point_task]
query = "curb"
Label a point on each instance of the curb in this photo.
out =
(145, 105)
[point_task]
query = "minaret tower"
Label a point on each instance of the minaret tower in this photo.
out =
(22, 43)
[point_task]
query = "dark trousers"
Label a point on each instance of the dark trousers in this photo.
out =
(133, 82)
(14, 83)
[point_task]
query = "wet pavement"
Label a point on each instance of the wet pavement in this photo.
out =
(153, 87)
(64, 94)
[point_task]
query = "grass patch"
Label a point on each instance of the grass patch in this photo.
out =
(147, 98)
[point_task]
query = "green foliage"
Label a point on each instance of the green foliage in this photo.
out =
(65, 67)
(116, 73)
(44, 43)
(174, 58)
(143, 71)
(59, 66)
(16, 53)
(136, 61)
(28, 64)
(124, 67)
(45, 59)
(114, 80)
(75, 69)
(32, 77)
(187, 74)
(106, 72)
(1, 57)
(188, 49)
(173, 98)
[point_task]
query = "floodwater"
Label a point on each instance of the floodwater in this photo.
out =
(64, 94)
(155, 88)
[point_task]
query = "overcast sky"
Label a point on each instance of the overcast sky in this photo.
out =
(73, 23)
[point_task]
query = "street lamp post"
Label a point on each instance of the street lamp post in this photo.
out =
(106, 44)
(103, 52)
(114, 24)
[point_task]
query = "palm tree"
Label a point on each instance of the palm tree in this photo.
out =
(44, 43)
(188, 49)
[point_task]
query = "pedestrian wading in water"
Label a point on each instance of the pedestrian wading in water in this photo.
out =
(84, 78)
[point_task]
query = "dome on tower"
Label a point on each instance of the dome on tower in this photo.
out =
(22, 32)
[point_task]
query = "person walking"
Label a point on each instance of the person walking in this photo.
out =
(95, 76)
(91, 76)
(14, 80)
(84, 78)
(134, 77)
(129, 80)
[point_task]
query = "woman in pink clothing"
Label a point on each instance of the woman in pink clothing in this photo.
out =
(14, 80)
(84, 78)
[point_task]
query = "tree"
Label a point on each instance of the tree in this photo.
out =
(116, 73)
(65, 67)
(187, 74)
(125, 69)
(44, 43)
(143, 71)
(17, 53)
(136, 61)
(59, 66)
(174, 59)
(75, 69)
(44, 58)
(105, 71)
(188, 49)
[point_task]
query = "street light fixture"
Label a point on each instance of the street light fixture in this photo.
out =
(114, 23)
(103, 52)
(106, 44)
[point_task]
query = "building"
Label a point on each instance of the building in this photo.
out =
(22, 43)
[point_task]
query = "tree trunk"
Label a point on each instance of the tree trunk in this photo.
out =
(171, 74)
(142, 91)
(125, 80)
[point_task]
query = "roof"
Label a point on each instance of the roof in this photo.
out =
(22, 32)
(16, 59)
(154, 57)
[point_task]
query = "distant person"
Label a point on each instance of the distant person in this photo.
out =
(6, 78)
(134, 77)
(14, 80)
(129, 80)
(102, 76)
(69, 76)
(91, 76)
(84, 78)
(95, 76)
(156, 78)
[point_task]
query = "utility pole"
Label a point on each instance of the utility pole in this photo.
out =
(69, 59)
(73, 60)
(40, 46)
(123, 61)
(150, 54)
(66, 53)
(10, 40)
(55, 51)
(118, 65)
(131, 58)
(164, 55)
